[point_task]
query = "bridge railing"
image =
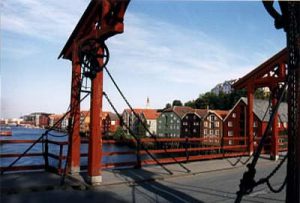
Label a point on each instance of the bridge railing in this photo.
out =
(164, 150)
(23, 165)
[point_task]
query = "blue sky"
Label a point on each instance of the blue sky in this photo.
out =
(169, 50)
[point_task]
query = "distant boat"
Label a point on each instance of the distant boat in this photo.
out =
(5, 131)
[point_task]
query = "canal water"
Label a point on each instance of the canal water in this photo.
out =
(21, 133)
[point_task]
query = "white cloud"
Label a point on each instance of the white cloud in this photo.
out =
(178, 63)
(41, 19)
(172, 53)
(148, 46)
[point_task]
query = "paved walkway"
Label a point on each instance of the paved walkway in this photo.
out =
(18, 182)
(44, 183)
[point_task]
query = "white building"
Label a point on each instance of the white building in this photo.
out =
(225, 87)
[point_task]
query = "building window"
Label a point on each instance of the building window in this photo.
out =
(217, 124)
(205, 132)
(234, 115)
(255, 124)
(159, 121)
(210, 132)
(194, 117)
(178, 127)
(230, 142)
(185, 123)
(212, 117)
(194, 130)
(178, 121)
(230, 124)
(171, 115)
(279, 125)
(186, 130)
(196, 123)
(205, 123)
(230, 133)
(217, 132)
(285, 124)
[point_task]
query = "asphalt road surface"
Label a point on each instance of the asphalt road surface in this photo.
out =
(215, 186)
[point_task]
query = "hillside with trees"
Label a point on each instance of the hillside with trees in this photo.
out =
(221, 101)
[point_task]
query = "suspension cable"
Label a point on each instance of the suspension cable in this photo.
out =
(33, 144)
(267, 179)
(139, 119)
(247, 182)
(134, 136)
(39, 139)
(239, 160)
(62, 181)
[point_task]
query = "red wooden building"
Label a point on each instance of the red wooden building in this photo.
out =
(234, 124)
(272, 74)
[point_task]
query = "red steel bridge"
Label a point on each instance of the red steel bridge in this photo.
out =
(89, 55)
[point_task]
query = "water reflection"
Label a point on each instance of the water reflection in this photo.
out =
(20, 133)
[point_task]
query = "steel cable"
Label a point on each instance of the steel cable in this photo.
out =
(247, 182)
(138, 117)
(134, 136)
(39, 139)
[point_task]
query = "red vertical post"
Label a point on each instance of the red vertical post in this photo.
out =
(74, 121)
(95, 140)
(250, 120)
(274, 147)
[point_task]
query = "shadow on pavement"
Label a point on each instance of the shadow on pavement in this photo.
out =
(158, 190)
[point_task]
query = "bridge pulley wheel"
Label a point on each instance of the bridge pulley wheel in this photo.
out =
(89, 55)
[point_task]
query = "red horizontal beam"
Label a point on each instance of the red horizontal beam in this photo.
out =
(109, 141)
(17, 155)
(58, 142)
(283, 149)
(193, 158)
(17, 141)
(234, 138)
(118, 153)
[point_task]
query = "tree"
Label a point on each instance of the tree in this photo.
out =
(177, 103)
(119, 134)
(168, 105)
(213, 101)
(191, 104)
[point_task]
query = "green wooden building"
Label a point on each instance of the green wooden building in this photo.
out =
(169, 122)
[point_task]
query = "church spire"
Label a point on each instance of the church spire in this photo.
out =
(148, 103)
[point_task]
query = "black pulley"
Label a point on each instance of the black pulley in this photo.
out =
(89, 55)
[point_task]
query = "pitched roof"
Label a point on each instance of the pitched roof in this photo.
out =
(55, 116)
(222, 113)
(149, 114)
(260, 107)
(201, 112)
(204, 112)
(113, 116)
(180, 110)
